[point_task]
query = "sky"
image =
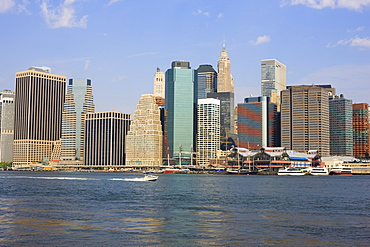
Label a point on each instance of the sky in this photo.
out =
(119, 44)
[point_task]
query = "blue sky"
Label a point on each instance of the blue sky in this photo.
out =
(120, 43)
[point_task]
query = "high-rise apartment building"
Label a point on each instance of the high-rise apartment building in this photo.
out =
(305, 119)
(208, 135)
(181, 102)
(159, 84)
(39, 100)
(227, 133)
(257, 123)
(361, 131)
(79, 101)
(144, 139)
(273, 79)
(207, 81)
(6, 125)
(225, 81)
(105, 138)
(341, 132)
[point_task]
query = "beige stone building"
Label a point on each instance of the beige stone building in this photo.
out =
(38, 116)
(305, 119)
(144, 139)
(225, 82)
(159, 84)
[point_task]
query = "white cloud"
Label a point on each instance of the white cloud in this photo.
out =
(356, 41)
(359, 29)
(6, 5)
(260, 40)
(350, 80)
(62, 16)
(87, 63)
(113, 1)
(357, 5)
(220, 15)
(201, 12)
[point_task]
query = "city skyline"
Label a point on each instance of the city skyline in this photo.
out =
(123, 43)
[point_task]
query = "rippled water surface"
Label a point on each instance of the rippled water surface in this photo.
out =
(120, 209)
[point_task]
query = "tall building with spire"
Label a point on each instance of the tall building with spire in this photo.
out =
(6, 125)
(144, 139)
(79, 101)
(159, 84)
(225, 82)
(39, 100)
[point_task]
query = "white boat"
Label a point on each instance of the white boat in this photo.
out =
(319, 171)
(291, 171)
(341, 170)
(150, 178)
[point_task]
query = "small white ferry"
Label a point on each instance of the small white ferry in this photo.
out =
(291, 171)
(341, 170)
(319, 171)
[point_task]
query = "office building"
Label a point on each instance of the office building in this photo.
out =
(208, 135)
(105, 138)
(39, 100)
(361, 131)
(305, 119)
(207, 81)
(6, 125)
(144, 139)
(181, 102)
(257, 123)
(227, 123)
(273, 79)
(341, 127)
(225, 81)
(79, 101)
(159, 84)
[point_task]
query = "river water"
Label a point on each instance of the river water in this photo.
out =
(120, 209)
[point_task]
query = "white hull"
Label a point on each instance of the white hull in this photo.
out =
(290, 171)
(319, 172)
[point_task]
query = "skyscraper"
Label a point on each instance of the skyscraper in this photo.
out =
(79, 101)
(305, 119)
(341, 127)
(256, 123)
(227, 133)
(105, 138)
(6, 125)
(208, 135)
(207, 81)
(181, 102)
(39, 99)
(273, 77)
(225, 81)
(144, 139)
(361, 131)
(159, 84)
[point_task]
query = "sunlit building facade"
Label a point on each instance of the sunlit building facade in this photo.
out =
(144, 139)
(79, 101)
(6, 125)
(159, 84)
(39, 100)
(208, 134)
(361, 131)
(105, 138)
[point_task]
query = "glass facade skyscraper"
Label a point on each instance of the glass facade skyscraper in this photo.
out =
(341, 128)
(273, 77)
(79, 101)
(181, 102)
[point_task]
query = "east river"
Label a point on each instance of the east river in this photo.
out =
(119, 209)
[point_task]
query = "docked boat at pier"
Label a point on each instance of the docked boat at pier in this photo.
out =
(341, 170)
(318, 171)
(291, 171)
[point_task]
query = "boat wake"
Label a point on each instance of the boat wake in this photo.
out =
(77, 178)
